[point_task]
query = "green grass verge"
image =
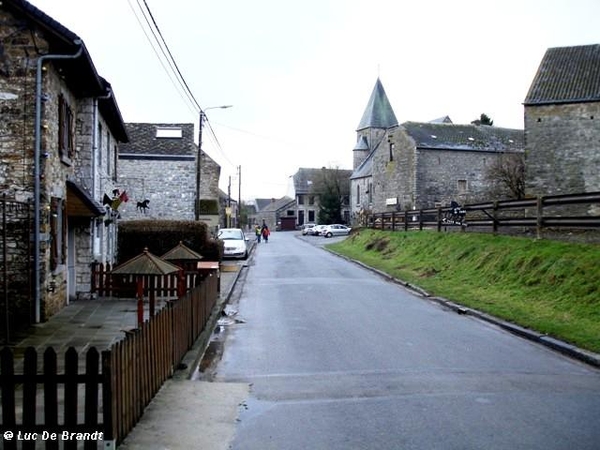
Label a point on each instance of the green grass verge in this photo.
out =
(548, 286)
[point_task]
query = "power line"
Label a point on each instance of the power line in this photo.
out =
(187, 88)
(160, 60)
(174, 68)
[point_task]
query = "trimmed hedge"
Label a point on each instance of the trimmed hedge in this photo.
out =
(160, 236)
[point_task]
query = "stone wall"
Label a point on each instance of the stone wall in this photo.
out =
(444, 176)
(422, 178)
(562, 145)
(394, 177)
(169, 185)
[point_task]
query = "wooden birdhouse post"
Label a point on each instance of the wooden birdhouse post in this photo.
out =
(145, 268)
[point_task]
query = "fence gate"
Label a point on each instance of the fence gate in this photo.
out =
(16, 284)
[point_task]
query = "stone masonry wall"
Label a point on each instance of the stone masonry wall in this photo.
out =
(169, 185)
(562, 145)
(441, 175)
(395, 177)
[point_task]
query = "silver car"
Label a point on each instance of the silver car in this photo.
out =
(235, 242)
(335, 230)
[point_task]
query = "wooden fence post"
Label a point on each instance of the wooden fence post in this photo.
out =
(108, 399)
(71, 393)
(50, 394)
(8, 395)
(540, 214)
(495, 217)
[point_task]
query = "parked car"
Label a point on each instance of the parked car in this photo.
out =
(235, 242)
(335, 230)
(318, 230)
(307, 228)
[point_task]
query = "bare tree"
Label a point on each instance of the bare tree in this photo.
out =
(506, 176)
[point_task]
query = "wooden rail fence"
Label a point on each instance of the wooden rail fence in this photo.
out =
(540, 213)
(108, 398)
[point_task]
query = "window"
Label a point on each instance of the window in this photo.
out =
(391, 151)
(58, 230)
(462, 186)
(311, 199)
(108, 158)
(301, 200)
(358, 194)
(291, 212)
(311, 216)
(99, 145)
(66, 142)
(115, 156)
(370, 192)
(169, 132)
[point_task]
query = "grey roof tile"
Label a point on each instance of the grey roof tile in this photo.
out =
(464, 137)
(567, 75)
(143, 140)
(379, 112)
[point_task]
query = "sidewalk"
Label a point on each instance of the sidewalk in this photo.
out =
(190, 414)
(184, 414)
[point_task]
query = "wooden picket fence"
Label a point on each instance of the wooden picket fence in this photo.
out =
(107, 284)
(107, 398)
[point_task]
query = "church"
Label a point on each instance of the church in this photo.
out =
(419, 165)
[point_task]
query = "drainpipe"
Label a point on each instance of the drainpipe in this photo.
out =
(36, 171)
(93, 160)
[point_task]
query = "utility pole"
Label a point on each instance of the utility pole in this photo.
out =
(239, 208)
(199, 158)
(229, 203)
(199, 167)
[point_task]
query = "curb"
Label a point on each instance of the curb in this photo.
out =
(194, 355)
(562, 347)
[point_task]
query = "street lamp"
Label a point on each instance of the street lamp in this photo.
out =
(199, 162)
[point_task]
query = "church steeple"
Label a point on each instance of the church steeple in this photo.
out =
(379, 112)
(378, 117)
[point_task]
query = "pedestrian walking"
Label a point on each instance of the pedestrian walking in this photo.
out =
(265, 233)
(258, 232)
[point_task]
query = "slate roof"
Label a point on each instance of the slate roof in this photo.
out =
(278, 204)
(304, 178)
(362, 144)
(464, 137)
(567, 75)
(446, 136)
(261, 203)
(379, 112)
(143, 140)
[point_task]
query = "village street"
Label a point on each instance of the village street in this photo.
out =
(339, 358)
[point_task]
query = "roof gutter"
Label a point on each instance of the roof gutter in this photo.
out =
(36, 171)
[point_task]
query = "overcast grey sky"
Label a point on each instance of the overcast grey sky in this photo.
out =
(299, 74)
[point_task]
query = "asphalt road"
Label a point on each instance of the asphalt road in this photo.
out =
(339, 358)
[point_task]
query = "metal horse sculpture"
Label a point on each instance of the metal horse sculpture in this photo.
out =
(143, 206)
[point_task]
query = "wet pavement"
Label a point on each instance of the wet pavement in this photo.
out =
(102, 322)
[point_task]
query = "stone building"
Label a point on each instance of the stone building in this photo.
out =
(307, 185)
(562, 123)
(278, 214)
(59, 128)
(421, 164)
(158, 168)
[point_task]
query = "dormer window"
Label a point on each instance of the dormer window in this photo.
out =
(169, 132)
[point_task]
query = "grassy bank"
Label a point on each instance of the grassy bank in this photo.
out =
(548, 286)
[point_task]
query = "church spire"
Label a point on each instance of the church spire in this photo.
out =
(379, 112)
